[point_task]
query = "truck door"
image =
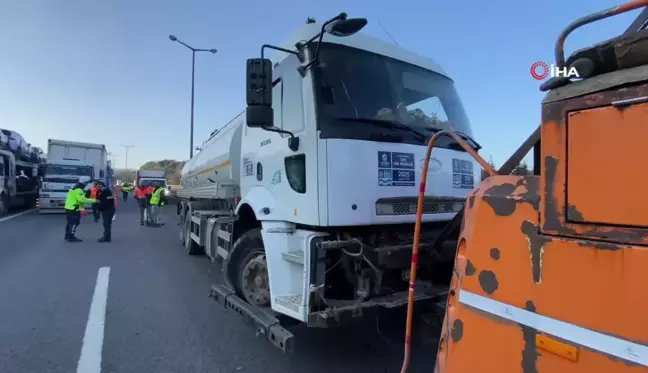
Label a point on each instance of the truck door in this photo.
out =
(291, 176)
(4, 171)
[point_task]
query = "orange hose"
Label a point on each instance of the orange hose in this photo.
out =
(417, 232)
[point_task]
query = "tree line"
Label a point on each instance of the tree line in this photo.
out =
(520, 170)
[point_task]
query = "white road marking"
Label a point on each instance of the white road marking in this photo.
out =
(114, 216)
(17, 215)
(90, 359)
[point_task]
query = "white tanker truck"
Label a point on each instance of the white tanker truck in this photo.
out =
(309, 196)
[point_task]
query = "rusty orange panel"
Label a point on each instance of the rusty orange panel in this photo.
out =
(606, 157)
(513, 284)
(554, 207)
(490, 344)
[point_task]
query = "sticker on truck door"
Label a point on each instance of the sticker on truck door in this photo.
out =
(396, 169)
(248, 167)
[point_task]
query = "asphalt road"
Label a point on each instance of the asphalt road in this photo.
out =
(158, 317)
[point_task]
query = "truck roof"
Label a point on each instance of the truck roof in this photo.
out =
(359, 41)
(151, 171)
(75, 143)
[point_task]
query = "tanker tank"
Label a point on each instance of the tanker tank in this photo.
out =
(215, 172)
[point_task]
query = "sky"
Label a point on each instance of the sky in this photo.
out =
(106, 71)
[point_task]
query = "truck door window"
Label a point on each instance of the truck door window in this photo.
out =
(293, 114)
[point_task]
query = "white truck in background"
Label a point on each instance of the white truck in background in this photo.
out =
(150, 178)
(66, 162)
(310, 196)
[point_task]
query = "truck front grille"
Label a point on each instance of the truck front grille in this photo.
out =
(407, 206)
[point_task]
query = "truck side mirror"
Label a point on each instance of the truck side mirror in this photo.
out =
(259, 111)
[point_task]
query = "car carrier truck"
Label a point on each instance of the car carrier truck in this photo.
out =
(66, 162)
(19, 181)
(309, 196)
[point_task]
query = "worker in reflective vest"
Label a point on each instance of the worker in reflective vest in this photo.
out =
(125, 190)
(140, 197)
(157, 201)
(74, 205)
(92, 194)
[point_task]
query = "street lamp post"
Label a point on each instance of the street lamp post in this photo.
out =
(126, 160)
(193, 68)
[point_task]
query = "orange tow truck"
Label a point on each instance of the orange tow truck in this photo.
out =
(551, 269)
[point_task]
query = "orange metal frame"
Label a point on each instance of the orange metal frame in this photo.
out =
(567, 247)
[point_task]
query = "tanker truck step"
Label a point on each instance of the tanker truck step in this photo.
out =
(264, 321)
(295, 256)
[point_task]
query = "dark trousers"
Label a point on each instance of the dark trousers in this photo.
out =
(125, 195)
(73, 220)
(107, 216)
(95, 212)
(143, 207)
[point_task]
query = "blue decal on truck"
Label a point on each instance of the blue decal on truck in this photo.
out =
(384, 159)
(396, 169)
(276, 178)
(462, 174)
(385, 177)
(403, 160)
(403, 177)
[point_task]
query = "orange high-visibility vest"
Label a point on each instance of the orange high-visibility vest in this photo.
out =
(93, 192)
(140, 192)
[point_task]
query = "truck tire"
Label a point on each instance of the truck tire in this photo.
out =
(4, 204)
(190, 245)
(181, 227)
(249, 269)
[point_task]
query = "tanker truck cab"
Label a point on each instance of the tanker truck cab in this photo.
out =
(359, 117)
(328, 158)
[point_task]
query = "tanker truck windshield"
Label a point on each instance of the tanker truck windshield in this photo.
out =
(360, 93)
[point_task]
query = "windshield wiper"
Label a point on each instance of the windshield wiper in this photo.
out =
(474, 144)
(391, 124)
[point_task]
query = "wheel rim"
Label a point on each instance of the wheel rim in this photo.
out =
(255, 283)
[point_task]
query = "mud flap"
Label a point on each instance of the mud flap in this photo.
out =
(264, 321)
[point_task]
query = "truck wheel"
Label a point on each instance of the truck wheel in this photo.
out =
(190, 245)
(4, 204)
(251, 279)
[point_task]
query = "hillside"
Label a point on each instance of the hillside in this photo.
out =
(172, 168)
